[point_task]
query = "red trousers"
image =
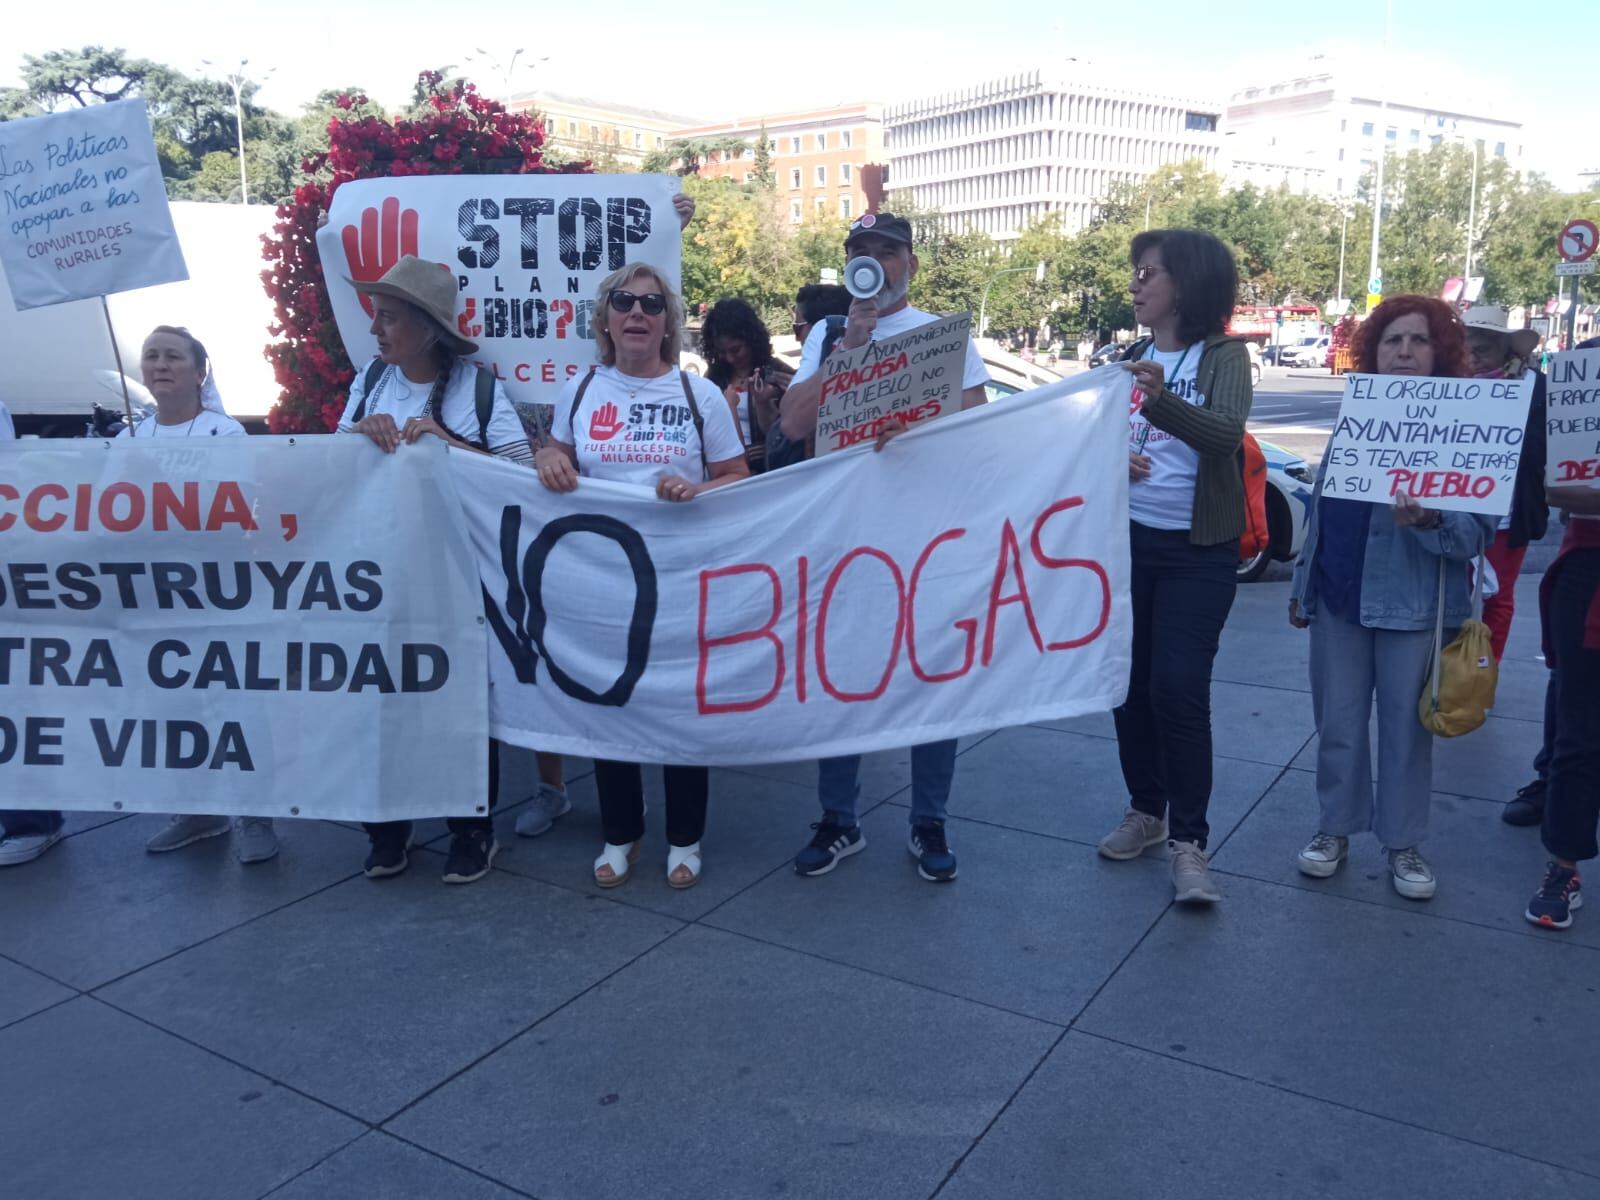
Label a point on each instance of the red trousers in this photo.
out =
(1499, 608)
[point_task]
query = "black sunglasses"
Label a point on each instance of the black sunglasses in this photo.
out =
(653, 303)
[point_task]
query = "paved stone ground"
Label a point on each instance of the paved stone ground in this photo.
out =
(1047, 1026)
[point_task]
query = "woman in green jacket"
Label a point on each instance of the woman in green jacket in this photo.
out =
(1186, 512)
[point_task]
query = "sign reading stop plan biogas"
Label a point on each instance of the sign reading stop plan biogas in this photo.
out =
(85, 206)
(1447, 443)
(911, 378)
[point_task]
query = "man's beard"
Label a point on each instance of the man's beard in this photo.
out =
(892, 293)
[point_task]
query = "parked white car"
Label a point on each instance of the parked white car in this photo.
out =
(1308, 352)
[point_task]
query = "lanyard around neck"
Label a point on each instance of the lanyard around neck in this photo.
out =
(1177, 366)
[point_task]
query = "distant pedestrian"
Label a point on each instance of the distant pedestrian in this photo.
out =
(1186, 511)
(1368, 583)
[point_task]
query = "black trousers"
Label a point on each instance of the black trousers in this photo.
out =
(1541, 760)
(380, 831)
(1572, 803)
(621, 789)
(1182, 595)
(19, 822)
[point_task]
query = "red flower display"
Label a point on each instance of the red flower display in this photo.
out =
(462, 134)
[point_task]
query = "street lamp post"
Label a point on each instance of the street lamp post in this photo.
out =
(507, 70)
(236, 79)
(983, 304)
(1344, 221)
(1383, 147)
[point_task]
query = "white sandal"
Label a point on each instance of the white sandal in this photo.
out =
(687, 857)
(620, 859)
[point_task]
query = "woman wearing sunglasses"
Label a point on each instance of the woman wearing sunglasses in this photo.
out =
(1186, 513)
(637, 418)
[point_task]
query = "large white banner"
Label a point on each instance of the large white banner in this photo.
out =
(269, 626)
(528, 253)
(973, 575)
(1447, 443)
(85, 206)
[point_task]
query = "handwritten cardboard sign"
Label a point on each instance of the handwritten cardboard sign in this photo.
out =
(84, 206)
(915, 376)
(1572, 420)
(1447, 443)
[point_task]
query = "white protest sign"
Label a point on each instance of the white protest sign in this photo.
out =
(528, 253)
(915, 376)
(1449, 443)
(259, 626)
(1572, 420)
(85, 206)
(849, 603)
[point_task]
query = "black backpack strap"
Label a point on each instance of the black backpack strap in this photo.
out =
(1133, 352)
(577, 399)
(484, 396)
(833, 327)
(699, 422)
(375, 370)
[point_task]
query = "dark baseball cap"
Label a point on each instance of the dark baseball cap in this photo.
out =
(884, 224)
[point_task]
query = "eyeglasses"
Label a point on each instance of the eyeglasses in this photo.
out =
(653, 303)
(801, 328)
(1142, 274)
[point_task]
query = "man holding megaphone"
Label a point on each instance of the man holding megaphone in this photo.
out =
(879, 271)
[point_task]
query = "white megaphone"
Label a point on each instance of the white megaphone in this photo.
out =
(863, 277)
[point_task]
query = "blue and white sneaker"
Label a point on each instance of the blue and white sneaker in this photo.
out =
(935, 862)
(831, 842)
(1560, 893)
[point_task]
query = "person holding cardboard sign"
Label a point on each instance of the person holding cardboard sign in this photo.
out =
(886, 238)
(1368, 585)
(1186, 515)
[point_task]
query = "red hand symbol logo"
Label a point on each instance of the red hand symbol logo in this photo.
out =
(1134, 405)
(379, 243)
(464, 323)
(604, 424)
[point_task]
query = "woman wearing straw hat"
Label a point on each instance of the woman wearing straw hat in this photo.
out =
(178, 373)
(1499, 352)
(418, 387)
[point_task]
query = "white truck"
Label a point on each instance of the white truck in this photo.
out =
(59, 364)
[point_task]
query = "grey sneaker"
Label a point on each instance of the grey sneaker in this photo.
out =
(186, 831)
(1412, 876)
(253, 839)
(1322, 855)
(547, 804)
(1191, 875)
(1137, 833)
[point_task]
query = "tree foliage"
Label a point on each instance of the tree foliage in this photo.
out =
(455, 132)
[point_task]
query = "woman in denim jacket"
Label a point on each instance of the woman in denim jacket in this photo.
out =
(1367, 583)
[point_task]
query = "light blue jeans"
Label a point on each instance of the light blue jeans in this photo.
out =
(933, 765)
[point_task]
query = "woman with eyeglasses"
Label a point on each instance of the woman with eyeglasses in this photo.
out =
(637, 418)
(1192, 396)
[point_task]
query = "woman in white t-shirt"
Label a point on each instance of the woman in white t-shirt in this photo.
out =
(418, 387)
(637, 418)
(178, 373)
(1186, 513)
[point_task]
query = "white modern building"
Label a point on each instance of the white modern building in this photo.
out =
(999, 155)
(1319, 127)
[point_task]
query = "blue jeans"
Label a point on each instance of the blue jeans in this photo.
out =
(26, 823)
(933, 765)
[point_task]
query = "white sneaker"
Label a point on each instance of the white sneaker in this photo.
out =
(1323, 855)
(254, 840)
(1412, 876)
(19, 848)
(548, 803)
(186, 831)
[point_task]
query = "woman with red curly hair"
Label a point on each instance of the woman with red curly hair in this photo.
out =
(1367, 584)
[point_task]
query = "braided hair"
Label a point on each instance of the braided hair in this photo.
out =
(445, 359)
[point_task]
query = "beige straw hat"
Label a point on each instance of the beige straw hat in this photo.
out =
(431, 287)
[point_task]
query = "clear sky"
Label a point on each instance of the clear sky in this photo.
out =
(716, 58)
